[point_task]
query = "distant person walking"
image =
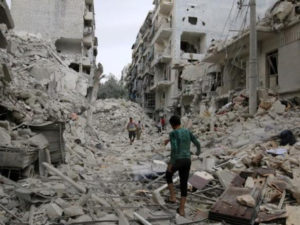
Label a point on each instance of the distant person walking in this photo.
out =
(158, 126)
(132, 128)
(163, 123)
(139, 130)
(180, 139)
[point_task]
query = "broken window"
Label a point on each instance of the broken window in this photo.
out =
(68, 45)
(272, 63)
(188, 47)
(216, 81)
(86, 69)
(150, 100)
(272, 68)
(192, 42)
(74, 66)
(193, 20)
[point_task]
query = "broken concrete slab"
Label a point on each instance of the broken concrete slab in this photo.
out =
(73, 211)
(246, 200)
(53, 211)
(5, 138)
(278, 108)
(225, 177)
(293, 215)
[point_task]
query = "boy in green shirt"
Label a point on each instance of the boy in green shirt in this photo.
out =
(180, 140)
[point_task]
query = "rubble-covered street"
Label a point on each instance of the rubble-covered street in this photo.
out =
(65, 156)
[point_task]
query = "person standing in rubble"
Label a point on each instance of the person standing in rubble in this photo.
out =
(163, 122)
(180, 161)
(132, 128)
(139, 130)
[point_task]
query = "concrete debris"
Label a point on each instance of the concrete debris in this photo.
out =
(278, 107)
(246, 200)
(5, 138)
(73, 211)
(293, 215)
(53, 211)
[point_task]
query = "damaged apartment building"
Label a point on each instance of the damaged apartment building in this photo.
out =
(6, 23)
(70, 24)
(227, 62)
(175, 33)
(168, 52)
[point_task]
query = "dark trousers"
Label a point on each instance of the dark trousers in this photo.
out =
(183, 166)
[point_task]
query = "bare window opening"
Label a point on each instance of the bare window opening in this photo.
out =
(217, 81)
(68, 46)
(74, 66)
(193, 20)
(187, 47)
(95, 52)
(272, 69)
(272, 63)
(86, 69)
(150, 100)
(193, 43)
(88, 23)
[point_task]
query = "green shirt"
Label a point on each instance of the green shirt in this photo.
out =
(180, 140)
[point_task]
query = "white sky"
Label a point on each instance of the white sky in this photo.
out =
(118, 22)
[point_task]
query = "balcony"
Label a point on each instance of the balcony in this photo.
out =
(161, 58)
(88, 41)
(166, 6)
(89, 16)
(162, 84)
(164, 33)
(192, 56)
(89, 2)
(86, 62)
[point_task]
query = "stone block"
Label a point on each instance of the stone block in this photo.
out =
(54, 211)
(5, 138)
(73, 211)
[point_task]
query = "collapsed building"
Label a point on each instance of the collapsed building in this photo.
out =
(227, 63)
(70, 25)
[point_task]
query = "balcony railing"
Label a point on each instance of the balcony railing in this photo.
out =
(161, 84)
(166, 6)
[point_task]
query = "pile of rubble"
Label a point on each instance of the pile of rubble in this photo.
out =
(67, 171)
(254, 159)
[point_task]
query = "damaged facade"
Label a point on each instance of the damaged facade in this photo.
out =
(70, 24)
(227, 62)
(166, 56)
(175, 33)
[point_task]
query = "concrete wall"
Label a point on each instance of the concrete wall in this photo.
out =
(51, 18)
(288, 45)
(289, 67)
